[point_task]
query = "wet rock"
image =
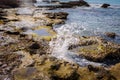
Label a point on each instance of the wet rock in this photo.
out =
(74, 3)
(59, 15)
(110, 34)
(105, 5)
(97, 49)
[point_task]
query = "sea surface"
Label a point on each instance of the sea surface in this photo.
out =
(97, 1)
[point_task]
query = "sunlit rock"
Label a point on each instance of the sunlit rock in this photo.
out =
(97, 49)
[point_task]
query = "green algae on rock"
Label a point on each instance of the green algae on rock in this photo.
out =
(97, 49)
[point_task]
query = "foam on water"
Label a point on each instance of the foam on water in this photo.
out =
(65, 38)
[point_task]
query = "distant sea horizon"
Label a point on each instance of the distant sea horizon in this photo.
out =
(112, 2)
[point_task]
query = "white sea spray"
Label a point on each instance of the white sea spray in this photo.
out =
(66, 37)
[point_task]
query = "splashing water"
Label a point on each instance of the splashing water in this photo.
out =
(65, 38)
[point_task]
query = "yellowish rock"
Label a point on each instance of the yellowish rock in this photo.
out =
(1, 22)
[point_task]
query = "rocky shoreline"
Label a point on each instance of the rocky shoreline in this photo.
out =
(25, 55)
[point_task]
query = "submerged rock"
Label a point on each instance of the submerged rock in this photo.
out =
(105, 5)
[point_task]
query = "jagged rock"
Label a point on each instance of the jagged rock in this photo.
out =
(59, 15)
(74, 3)
(105, 5)
(110, 34)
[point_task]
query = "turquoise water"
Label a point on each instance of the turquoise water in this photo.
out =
(104, 1)
(97, 1)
